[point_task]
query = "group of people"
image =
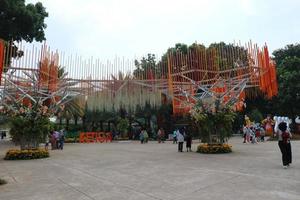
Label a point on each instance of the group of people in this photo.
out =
(181, 135)
(57, 139)
(144, 137)
(254, 134)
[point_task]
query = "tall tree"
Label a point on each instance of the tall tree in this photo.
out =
(288, 72)
(146, 67)
(20, 21)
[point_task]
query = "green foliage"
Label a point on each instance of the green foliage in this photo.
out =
(146, 68)
(291, 50)
(214, 120)
(288, 70)
(29, 124)
(29, 132)
(26, 154)
(229, 55)
(22, 22)
(123, 125)
(256, 116)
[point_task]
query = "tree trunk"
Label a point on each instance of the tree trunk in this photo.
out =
(75, 120)
(67, 123)
(101, 125)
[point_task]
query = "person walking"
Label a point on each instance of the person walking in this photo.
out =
(161, 135)
(146, 136)
(180, 139)
(61, 139)
(47, 140)
(284, 143)
(175, 136)
(53, 141)
(142, 135)
(262, 134)
(56, 136)
(245, 134)
(188, 139)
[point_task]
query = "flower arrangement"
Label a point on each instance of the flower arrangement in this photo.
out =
(214, 148)
(214, 120)
(29, 154)
(30, 124)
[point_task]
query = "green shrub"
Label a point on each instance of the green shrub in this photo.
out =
(256, 116)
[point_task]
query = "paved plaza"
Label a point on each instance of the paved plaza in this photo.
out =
(129, 170)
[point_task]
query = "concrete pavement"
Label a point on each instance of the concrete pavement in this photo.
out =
(129, 170)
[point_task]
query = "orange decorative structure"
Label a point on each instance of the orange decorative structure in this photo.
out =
(223, 72)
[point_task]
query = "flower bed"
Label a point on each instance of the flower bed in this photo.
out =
(214, 148)
(26, 154)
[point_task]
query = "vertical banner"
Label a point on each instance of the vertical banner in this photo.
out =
(2, 45)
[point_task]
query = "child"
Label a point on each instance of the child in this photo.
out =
(47, 142)
(142, 136)
(146, 136)
(175, 136)
(252, 135)
(188, 139)
(245, 130)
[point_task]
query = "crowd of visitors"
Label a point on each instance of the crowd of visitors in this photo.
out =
(254, 134)
(179, 137)
(277, 127)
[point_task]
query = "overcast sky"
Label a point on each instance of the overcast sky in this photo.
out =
(106, 28)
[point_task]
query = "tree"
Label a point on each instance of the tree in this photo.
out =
(146, 68)
(288, 73)
(123, 126)
(21, 22)
(229, 55)
(214, 120)
(30, 128)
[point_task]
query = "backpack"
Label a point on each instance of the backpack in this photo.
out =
(285, 137)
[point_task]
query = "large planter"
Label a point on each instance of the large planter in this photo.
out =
(214, 148)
